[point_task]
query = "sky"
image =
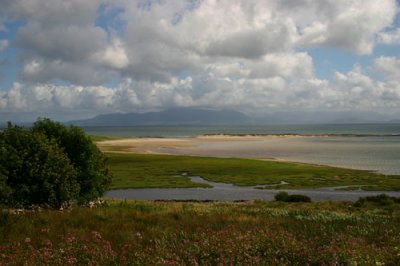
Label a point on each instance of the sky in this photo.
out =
(72, 59)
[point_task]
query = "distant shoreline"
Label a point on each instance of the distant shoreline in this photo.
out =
(302, 135)
(227, 135)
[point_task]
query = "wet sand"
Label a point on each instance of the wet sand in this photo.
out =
(186, 146)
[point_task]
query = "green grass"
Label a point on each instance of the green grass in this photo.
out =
(150, 171)
(147, 171)
(103, 138)
(192, 233)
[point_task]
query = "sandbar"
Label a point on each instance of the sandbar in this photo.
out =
(208, 145)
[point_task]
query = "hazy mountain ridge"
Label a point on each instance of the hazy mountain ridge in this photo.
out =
(198, 116)
(175, 116)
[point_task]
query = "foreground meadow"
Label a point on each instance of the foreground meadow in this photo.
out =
(199, 233)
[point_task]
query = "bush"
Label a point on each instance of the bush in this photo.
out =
(41, 167)
(282, 196)
(381, 199)
(299, 198)
(285, 197)
(89, 162)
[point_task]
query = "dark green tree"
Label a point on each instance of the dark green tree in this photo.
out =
(34, 170)
(89, 162)
(5, 190)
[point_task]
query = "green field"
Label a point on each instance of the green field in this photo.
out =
(191, 233)
(102, 138)
(163, 171)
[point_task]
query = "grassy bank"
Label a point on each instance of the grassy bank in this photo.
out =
(97, 138)
(143, 170)
(190, 233)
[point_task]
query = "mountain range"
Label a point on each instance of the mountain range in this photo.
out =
(174, 116)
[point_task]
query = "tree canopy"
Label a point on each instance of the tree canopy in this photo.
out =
(50, 164)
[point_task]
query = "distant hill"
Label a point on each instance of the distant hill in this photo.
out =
(175, 116)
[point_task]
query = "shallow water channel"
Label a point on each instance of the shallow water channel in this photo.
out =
(230, 192)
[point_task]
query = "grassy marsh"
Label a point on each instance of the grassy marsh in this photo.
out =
(163, 171)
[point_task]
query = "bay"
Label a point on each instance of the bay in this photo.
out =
(195, 130)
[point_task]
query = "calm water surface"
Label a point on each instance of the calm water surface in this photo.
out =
(187, 131)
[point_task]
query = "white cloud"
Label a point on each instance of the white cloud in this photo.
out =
(32, 68)
(162, 39)
(390, 37)
(15, 98)
(353, 90)
(361, 92)
(350, 25)
(68, 43)
(42, 71)
(287, 65)
(59, 12)
(388, 66)
(114, 55)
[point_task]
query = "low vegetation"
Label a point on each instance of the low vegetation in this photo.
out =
(102, 138)
(380, 200)
(195, 233)
(148, 170)
(285, 197)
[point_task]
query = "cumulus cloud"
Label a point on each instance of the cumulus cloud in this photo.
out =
(156, 54)
(162, 39)
(351, 25)
(58, 40)
(390, 37)
(68, 43)
(41, 70)
(353, 90)
(53, 13)
(388, 66)
(114, 55)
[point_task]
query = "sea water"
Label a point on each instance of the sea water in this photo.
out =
(195, 130)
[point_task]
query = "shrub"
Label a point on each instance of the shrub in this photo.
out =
(299, 198)
(89, 162)
(381, 199)
(35, 170)
(43, 169)
(282, 196)
(285, 197)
